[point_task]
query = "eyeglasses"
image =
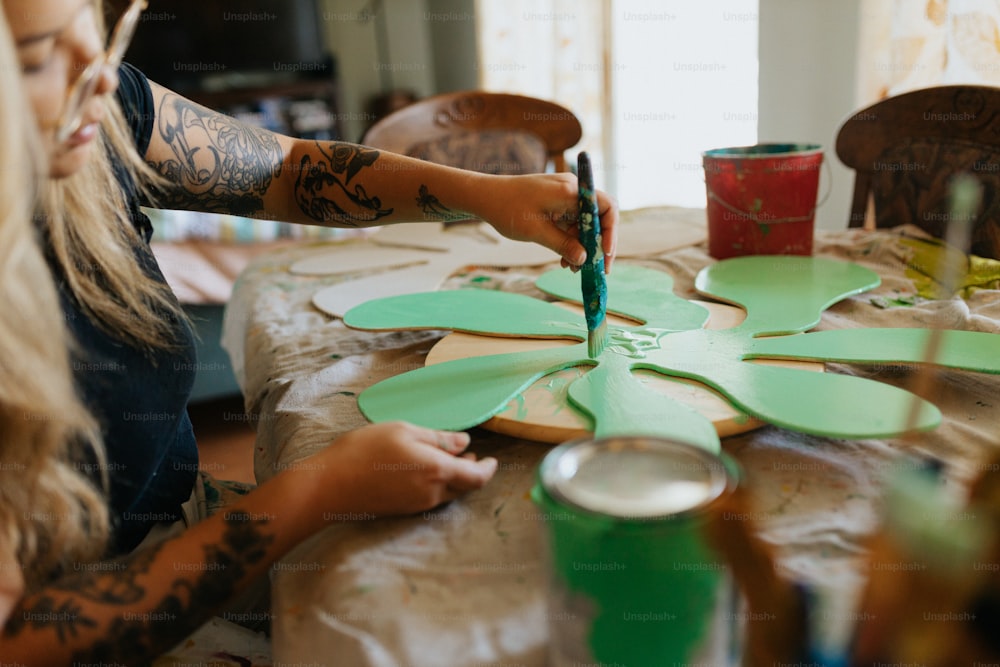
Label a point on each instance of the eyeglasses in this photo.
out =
(85, 84)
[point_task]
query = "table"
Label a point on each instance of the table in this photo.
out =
(464, 584)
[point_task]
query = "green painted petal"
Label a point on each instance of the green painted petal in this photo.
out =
(783, 293)
(475, 388)
(620, 404)
(826, 404)
(474, 311)
(965, 350)
(636, 292)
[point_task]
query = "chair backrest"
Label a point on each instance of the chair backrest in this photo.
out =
(487, 132)
(907, 148)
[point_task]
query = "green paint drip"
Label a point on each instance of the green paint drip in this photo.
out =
(559, 387)
(522, 409)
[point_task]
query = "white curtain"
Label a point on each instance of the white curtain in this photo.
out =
(910, 44)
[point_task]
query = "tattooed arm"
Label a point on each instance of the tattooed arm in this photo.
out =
(222, 165)
(128, 611)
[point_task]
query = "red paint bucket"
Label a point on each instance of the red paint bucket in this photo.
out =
(761, 199)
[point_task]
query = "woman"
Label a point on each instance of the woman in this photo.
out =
(131, 336)
(50, 515)
(127, 321)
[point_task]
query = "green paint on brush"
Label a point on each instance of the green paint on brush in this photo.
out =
(595, 287)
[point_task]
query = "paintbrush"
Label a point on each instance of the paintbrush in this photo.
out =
(595, 287)
(965, 194)
(900, 605)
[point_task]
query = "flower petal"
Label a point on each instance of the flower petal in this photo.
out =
(828, 404)
(966, 350)
(473, 311)
(636, 292)
(621, 405)
(476, 388)
(783, 293)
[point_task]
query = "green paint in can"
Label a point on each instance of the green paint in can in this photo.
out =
(632, 580)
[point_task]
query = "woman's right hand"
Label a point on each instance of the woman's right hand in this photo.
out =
(397, 468)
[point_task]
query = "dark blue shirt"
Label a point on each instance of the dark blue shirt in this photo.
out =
(140, 398)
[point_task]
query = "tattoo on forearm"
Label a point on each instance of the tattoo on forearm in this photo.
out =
(220, 164)
(65, 617)
(433, 208)
(69, 606)
(321, 188)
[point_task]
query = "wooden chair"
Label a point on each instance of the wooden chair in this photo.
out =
(488, 132)
(906, 149)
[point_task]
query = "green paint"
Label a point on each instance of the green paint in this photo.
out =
(635, 342)
(825, 404)
(897, 302)
(472, 311)
(964, 350)
(781, 294)
(634, 292)
(558, 385)
(521, 410)
(466, 392)
(639, 410)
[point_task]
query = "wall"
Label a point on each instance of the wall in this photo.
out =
(429, 46)
(808, 64)
(452, 26)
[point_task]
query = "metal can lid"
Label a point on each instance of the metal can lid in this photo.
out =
(634, 477)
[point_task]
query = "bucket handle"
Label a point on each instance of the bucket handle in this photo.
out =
(800, 218)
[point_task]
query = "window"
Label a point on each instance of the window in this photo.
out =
(682, 78)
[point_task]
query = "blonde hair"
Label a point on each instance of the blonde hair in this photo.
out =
(50, 514)
(93, 241)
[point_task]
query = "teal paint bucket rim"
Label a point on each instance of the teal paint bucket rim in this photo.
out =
(766, 150)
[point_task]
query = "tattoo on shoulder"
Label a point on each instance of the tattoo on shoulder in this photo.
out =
(219, 164)
(68, 607)
(323, 188)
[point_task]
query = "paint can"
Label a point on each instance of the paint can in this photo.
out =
(632, 578)
(761, 199)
